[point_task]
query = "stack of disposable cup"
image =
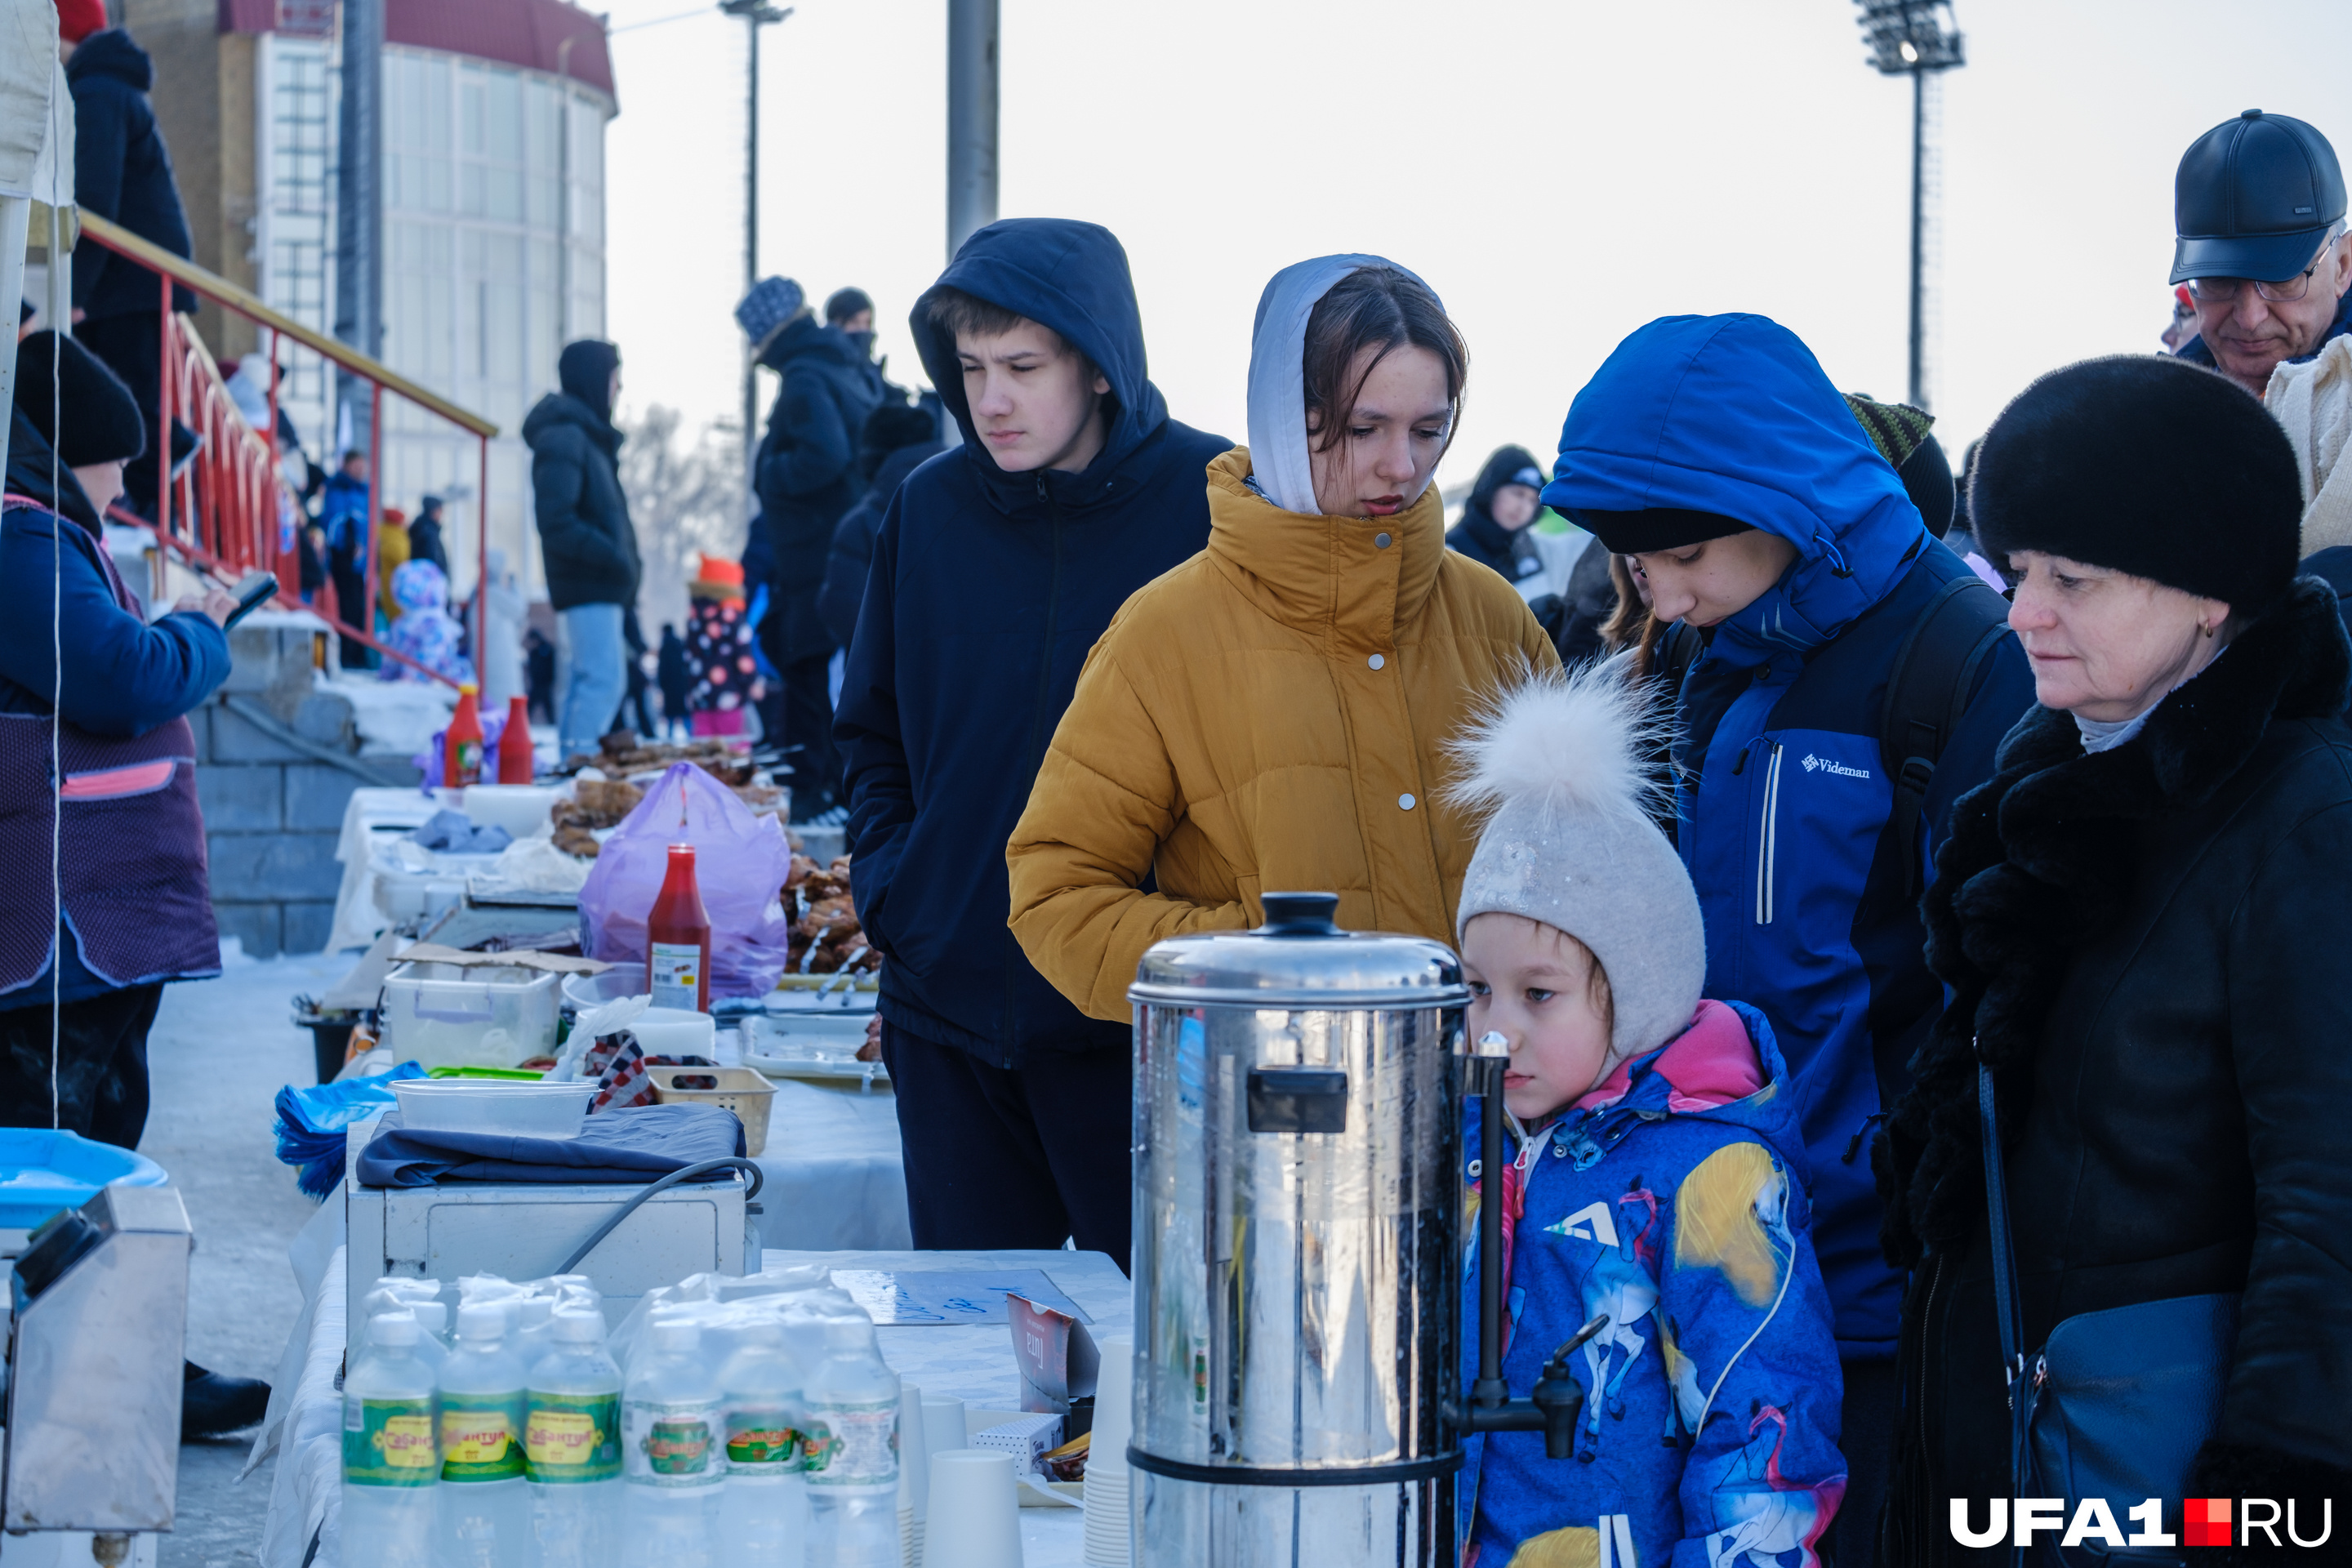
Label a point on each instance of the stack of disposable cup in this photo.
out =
(974, 1510)
(1108, 1541)
(914, 1476)
(943, 1427)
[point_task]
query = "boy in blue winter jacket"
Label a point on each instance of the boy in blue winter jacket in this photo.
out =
(1658, 1177)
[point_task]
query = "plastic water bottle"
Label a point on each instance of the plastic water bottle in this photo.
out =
(763, 1519)
(531, 1328)
(432, 1325)
(485, 1503)
(391, 1459)
(851, 1452)
(571, 1446)
(672, 1454)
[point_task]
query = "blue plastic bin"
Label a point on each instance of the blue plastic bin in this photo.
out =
(42, 1172)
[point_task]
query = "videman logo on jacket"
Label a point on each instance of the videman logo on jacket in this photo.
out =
(2204, 1522)
(1838, 769)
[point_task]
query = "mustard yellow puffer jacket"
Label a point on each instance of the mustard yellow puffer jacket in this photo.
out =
(1270, 714)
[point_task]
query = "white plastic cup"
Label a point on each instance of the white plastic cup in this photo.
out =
(976, 1516)
(943, 1428)
(1114, 1405)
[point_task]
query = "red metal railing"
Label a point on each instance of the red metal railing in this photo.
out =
(230, 511)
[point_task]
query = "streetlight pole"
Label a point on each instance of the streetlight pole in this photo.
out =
(972, 119)
(1917, 38)
(756, 14)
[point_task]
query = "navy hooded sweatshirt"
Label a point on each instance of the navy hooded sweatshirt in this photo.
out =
(987, 590)
(1783, 797)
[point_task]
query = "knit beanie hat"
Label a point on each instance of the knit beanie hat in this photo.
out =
(2148, 465)
(1655, 527)
(1900, 432)
(773, 302)
(1555, 767)
(78, 19)
(844, 303)
(80, 407)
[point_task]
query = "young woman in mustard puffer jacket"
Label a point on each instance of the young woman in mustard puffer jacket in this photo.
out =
(1273, 713)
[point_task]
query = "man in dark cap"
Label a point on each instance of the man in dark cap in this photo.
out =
(86, 680)
(2258, 218)
(587, 542)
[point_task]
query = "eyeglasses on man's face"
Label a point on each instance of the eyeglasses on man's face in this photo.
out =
(2284, 292)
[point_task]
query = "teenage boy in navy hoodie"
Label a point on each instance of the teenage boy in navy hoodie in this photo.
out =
(997, 567)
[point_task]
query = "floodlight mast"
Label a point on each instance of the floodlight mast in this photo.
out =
(756, 15)
(1917, 38)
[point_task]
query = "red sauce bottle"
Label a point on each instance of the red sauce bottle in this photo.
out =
(514, 743)
(678, 933)
(461, 747)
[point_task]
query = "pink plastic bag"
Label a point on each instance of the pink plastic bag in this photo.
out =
(740, 860)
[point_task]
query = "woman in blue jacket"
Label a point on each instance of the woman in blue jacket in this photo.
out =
(1715, 453)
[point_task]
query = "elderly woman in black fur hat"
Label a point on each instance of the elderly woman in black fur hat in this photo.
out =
(2144, 919)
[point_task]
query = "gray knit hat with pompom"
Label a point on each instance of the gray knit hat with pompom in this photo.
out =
(1555, 768)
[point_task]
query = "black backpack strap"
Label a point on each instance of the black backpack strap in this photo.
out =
(1677, 651)
(1927, 691)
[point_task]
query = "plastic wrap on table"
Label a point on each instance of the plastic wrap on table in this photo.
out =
(741, 863)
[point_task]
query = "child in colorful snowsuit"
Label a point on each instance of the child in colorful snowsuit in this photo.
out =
(426, 631)
(1657, 1177)
(724, 675)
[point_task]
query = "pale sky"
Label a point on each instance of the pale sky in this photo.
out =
(1560, 171)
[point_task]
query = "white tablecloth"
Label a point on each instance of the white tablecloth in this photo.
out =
(970, 1364)
(833, 1175)
(370, 816)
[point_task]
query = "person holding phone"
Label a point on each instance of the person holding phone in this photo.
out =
(96, 699)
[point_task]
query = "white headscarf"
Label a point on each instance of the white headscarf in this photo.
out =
(1279, 459)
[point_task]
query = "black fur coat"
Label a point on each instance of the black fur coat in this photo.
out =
(2152, 949)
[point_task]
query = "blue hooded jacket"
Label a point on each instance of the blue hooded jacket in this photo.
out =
(986, 591)
(1782, 797)
(1710, 1423)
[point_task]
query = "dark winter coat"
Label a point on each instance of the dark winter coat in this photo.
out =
(585, 537)
(808, 475)
(986, 591)
(1509, 551)
(852, 541)
(1783, 793)
(122, 171)
(425, 542)
(2146, 946)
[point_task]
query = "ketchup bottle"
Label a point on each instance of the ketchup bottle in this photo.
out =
(461, 747)
(677, 955)
(514, 743)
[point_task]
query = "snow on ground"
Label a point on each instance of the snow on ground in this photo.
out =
(219, 1052)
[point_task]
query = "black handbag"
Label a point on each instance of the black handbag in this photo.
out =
(2115, 1404)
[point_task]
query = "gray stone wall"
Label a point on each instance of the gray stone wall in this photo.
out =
(273, 810)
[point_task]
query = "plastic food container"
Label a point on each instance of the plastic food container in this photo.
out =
(521, 809)
(453, 1016)
(739, 1089)
(44, 1173)
(503, 1107)
(675, 1032)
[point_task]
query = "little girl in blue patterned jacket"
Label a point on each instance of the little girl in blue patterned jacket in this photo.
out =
(1657, 1177)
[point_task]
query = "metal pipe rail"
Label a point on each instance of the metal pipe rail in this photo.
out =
(233, 510)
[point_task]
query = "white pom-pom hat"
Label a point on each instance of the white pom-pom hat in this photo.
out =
(1556, 769)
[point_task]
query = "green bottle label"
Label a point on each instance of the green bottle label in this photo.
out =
(672, 1446)
(481, 1436)
(573, 1438)
(763, 1442)
(853, 1444)
(390, 1443)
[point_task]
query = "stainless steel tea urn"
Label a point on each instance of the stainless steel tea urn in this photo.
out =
(1296, 1267)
